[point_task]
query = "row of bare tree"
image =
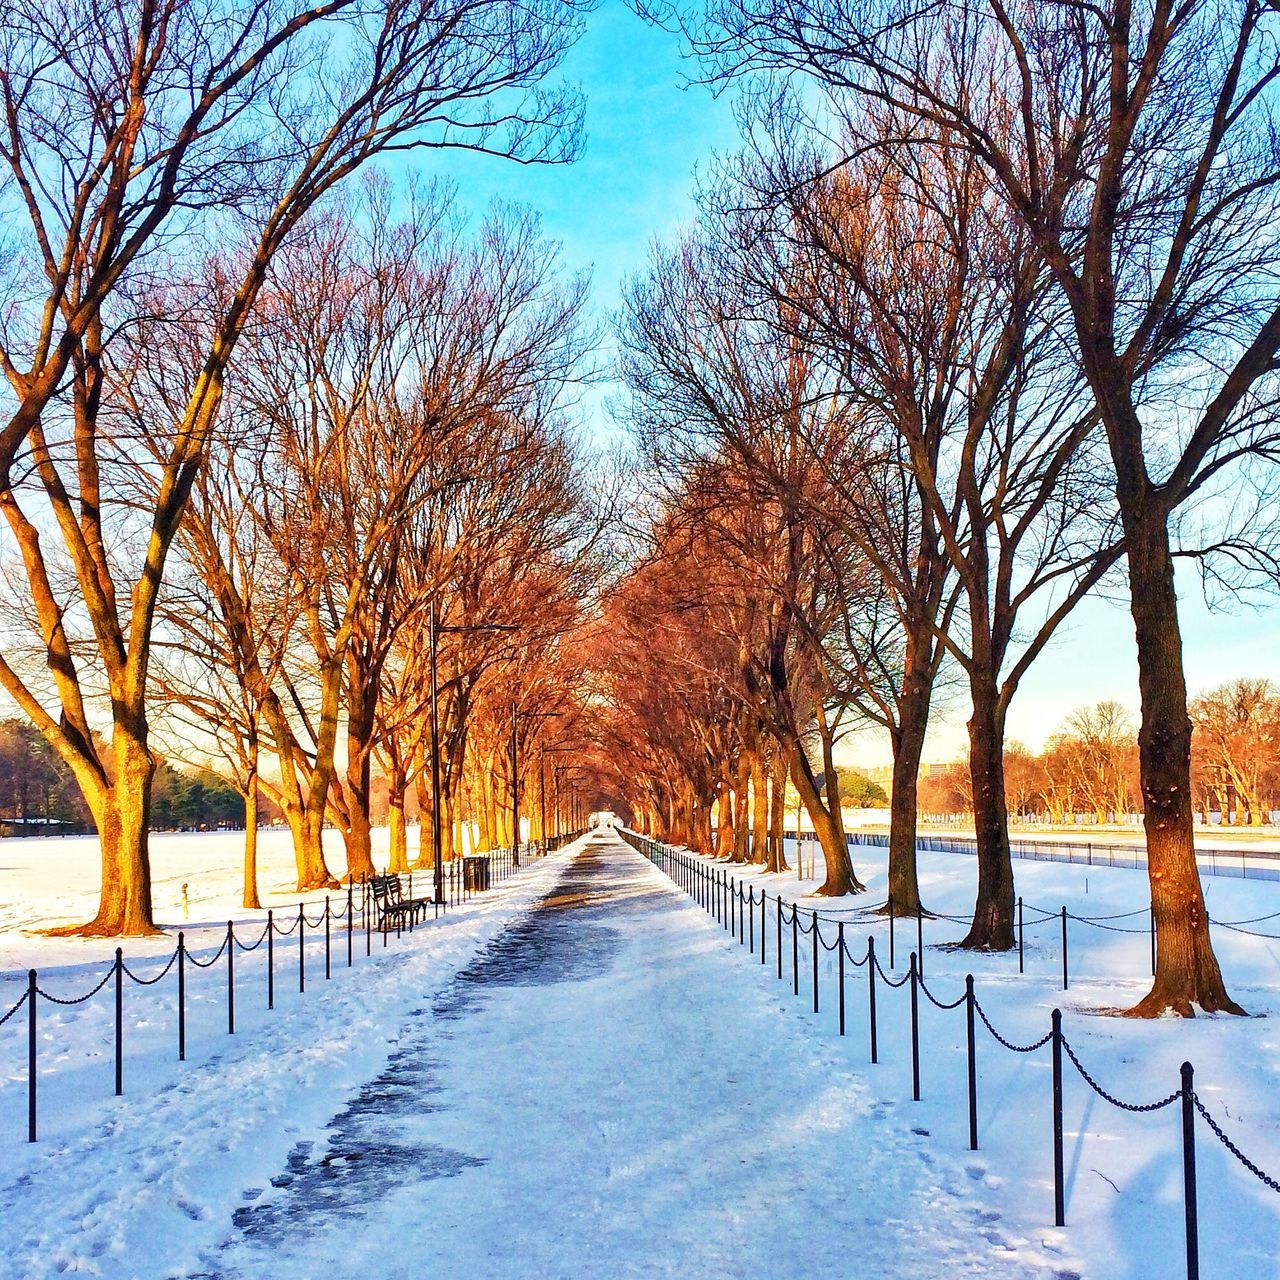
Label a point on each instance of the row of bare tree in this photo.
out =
(1088, 771)
(254, 426)
(983, 315)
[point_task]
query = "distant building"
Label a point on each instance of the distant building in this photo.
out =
(883, 774)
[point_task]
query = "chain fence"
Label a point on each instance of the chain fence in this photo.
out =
(726, 900)
(386, 908)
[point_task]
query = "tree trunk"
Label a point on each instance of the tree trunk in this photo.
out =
(682, 815)
(742, 805)
(501, 815)
(992, 928)
(121, 813)
(726, 824)
(759, 809)
(828, 827)
(777, 859)
(358, 834)
(1187, 970)
(908, 748)
(702, 824)
(447, 850)
(426, 854)
(251, 831)
(314, 872)
(484, 815)
(397, 833)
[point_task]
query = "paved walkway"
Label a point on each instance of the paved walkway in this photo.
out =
(609, 1091)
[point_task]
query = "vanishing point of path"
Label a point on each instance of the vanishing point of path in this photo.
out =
(608, 1091)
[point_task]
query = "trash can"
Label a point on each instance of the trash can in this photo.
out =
(475, 873)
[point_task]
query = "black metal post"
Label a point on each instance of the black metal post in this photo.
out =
(1059, 1184)
(182, 998)
(349, 923)
(1020, 949)
(814, 931)
(915, 1029)
(119, 1022)
(751, 921)
(795, 950)
(327, 966)
(839, 967)
(893, 921)
(871, 995)
(971, 1045)
(1064, 948)
(32, 996)
(1189, 1171)
(779, 947)
(271, 961)
(920, 939)
(231, 980)
(302, 951)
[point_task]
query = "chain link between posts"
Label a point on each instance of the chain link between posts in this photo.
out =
(1138, 1107)
(1008, 1044)
(106, 977)
(1102, 922)
(21, 1001)
(1261, 1174)
(150, 982)
(262, 937)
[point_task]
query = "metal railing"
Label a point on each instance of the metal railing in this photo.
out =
(737, 909)
(355, 920)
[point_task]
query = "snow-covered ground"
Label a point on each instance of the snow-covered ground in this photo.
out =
(606, 1093)
(650, 1100)
(145, 1184)
(49, 881)
(1124, 1171)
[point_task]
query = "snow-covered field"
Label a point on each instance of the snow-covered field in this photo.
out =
(48, 881)
(140, 1185)
(174, 1158)
(1124, 1178)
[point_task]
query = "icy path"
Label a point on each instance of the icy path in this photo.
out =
(604, 1092)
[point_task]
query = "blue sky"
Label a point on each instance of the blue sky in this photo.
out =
(647, 136)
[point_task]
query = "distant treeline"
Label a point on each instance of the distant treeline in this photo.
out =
(38, 794)
(1088, 771)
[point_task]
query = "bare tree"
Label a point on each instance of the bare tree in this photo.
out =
(130, 135)
(1142, 163)
(722, 399)
(1237, 738)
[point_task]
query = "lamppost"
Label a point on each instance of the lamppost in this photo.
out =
(436, 630)
(516, 715)
(542, 784)
(573, 791)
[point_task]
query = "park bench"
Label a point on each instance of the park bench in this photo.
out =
(393, 908)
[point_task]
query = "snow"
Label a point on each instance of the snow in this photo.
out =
(49, 880)
(611, 1097)
(142, 1185)
(611, 1085)
(1123, 1172)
